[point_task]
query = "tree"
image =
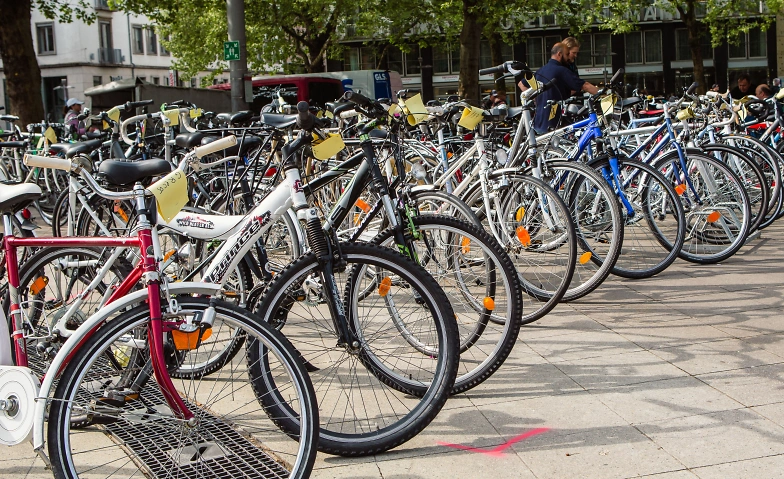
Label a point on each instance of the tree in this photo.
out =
(725, 20)
(23, 77)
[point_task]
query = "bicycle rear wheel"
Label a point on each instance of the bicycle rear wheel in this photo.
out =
(134, 434)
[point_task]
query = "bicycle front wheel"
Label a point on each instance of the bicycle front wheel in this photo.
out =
(133, 433)
(383, 390)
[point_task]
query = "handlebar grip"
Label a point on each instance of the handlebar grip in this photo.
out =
(178, 103)
(217, 145)
(692, 88)
(493, 70)
(358, 99)
(52, 162)
(345, 115)
(618, 75)
(305, 119)
(137, 104)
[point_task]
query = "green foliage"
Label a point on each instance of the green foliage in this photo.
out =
(64, 11)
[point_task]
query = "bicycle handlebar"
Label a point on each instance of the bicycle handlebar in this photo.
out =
(617, 76)
(513, 67)
(305, 119)
(52, 162)
(136, 104)
(217, 145)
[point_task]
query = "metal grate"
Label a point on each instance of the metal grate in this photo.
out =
(216, 449)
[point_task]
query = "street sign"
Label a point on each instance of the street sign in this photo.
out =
(231, 51)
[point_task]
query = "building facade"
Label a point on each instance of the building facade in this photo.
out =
(75, 56)
(656, 56)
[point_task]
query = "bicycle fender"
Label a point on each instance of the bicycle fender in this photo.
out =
(47, 386)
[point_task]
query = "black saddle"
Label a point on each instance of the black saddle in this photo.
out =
(631, 101)
(82, 147)
(13, 144)
(278, 120)
(338, 107)
(514, 111)
(188, 140)
(120, 173)
(235, 118)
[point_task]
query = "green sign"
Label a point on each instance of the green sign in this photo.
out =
(231, 51)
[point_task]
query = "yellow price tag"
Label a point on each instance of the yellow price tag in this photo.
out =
(417, 112)
(608, 103)
(195, 113)
(171, 193)
(329, 147)
(553, 111)
(114, 114)
(173, 116)
(471, 117)
(50, 135)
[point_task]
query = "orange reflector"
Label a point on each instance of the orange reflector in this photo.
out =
(206, 335)
(714, 217)
(680, 189)
(520, 213)
(585, 257)
(185, 341)
(120, 211)
(449, 154)
(169, 254)
(466, 243)
(523, 236)
(38, 285)
(489, 303)
(362, 204)
(384, 286)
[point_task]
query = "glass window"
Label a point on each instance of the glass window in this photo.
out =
(413, 62)
(737, 47)
(138, 39)
(602, 45)
(351, 59)
(440, 60)
(455, 54)
(485, 59)
(548, 45)
(535, 52)
(156, 80)
(97, 80)
(105, 36)
(757, 43)
(633, 47)
(584, 58)
(653, 47)
(194, 82)
(395, 60)
(152, 41)
(682, 51)
(45, 33)
(166, 81)
(164, 51)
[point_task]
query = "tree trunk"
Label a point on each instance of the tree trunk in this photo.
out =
(470, 37)
(497, 59)
(689, 17)
(23, 77)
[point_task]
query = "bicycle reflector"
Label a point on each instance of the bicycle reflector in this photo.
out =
(585, 257)
(713, 217)
(384, 286)
(523, 236)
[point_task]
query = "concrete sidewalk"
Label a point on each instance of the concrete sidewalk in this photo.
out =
(678, 376)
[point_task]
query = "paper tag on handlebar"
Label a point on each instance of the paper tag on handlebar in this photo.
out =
(608, 103)
(471, 117)
(685, 114)
(50, 135)
(417, 112)
(326, 149)
(193, 114)
(114, 114)
(553, 111)
(171, 193)
(533, 83)
(173, 116)
(395, 108)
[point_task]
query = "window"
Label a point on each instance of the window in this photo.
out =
(602, 46)
(360, 58)
(413, 63)
(682, 50)
(535, 53)
(164, 51)
(105, 36)
(45, 34)
(152, 42)
(97, 80)
(395, 59)
(642, 47)
(455, 56)
(166, 80)
(749, 45)
(548, 44)
(138, 39)
(440, 60)
(194, 82)
(584, 58)
(486, 60)
(156, 80)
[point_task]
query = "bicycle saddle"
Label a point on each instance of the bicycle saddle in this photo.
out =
(120, 173)
(188, 140)
(278, 120)
(13, 144)
(630, 102)
(82, 147)
(17, 195)
(338, 107)
(236, 117)
(514, 111)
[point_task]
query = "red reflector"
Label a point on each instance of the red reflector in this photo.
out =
(270, 171)
(26, 214)
(468, 137)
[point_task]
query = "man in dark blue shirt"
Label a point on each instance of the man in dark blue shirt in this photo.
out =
(566, 83)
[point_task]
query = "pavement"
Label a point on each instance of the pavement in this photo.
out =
(677, 376)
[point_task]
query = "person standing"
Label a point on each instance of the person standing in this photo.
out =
(574, 48)
(566, 82)
(744, 88)
(73, 107)
(763, 91)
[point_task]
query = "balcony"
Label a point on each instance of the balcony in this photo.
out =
(110, 56)
(102, 5)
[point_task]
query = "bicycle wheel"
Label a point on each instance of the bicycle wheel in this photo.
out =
(718, 213)
(597, 219)
(534, 228)
(482, 285)
(134, 433)
(772, 164)
(50, 283)
(441, 203)
(653, 219)
(383, 390)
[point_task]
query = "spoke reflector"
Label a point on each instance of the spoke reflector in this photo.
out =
(39, 284)
(680, 189)
(466, 244)
(714, 217)
(523, 236)
(489, 303)
(363, 205)
(384, 286)
(520, 213)
(585, 257)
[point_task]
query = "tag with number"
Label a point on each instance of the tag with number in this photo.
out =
(416, 110)
(50, 135)
(114, 114)
(171, 193)
(608, 103)
(173, 116)
(553, 111)
(195, 113)
(471, 117)
(331, 146)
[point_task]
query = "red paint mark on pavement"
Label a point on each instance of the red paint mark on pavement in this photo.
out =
(498, 450)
